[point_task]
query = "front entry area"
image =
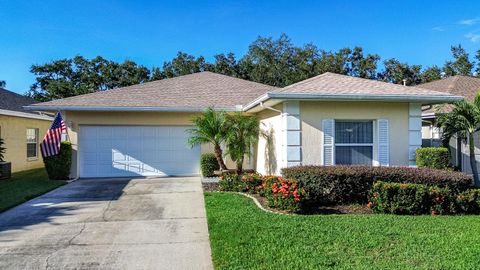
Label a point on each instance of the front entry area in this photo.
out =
(126, 151)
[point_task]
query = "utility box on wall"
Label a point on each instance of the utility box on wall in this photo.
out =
(5, 170)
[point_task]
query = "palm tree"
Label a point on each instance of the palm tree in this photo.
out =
(242, 133)
(464, 121)
(210, 127)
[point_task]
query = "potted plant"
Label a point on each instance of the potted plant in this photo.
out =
(5, 167)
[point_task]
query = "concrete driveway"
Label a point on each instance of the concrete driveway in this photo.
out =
(109, 224)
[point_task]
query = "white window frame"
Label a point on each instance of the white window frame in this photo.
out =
(36, 144)
(372, 144)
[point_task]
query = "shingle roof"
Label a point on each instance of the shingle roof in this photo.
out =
(464, 86)
(194, 91)
(331, 83)
(12, 101)
(200, 90)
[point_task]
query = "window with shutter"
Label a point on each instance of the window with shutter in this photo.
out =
(353, 142)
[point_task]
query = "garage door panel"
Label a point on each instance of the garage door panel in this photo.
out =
(105, 133)
(120, 166)
(132, 151)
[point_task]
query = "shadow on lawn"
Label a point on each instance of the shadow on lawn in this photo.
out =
(339, 210)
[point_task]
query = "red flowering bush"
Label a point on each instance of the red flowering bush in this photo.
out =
(283, 193)
(253, 182)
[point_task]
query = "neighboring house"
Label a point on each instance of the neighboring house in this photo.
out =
(464, 86)
(328, 119)
(21, 131)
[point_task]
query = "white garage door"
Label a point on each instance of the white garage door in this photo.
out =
(116, 151)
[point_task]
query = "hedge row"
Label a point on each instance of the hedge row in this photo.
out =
(417, 199)
(351, 184)
(433, 157)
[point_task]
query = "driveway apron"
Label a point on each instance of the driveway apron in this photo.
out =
(157, 223)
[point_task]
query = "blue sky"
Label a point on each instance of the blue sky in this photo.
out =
(151, 32)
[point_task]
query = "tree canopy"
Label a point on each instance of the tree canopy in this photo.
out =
(276, 62)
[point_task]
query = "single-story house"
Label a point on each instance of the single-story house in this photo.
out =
(328, 119)
(21, 131)
(464, 86)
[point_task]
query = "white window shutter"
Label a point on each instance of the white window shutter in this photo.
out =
(328, 128)
(383, 143)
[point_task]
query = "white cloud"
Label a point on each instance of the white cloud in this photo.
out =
(469, 21)
(473, 37)
(438, 29)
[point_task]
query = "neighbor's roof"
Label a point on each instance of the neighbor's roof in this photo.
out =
(192, 92)
(331, 86)
(12, 104)
(465, 86)
(12, 101)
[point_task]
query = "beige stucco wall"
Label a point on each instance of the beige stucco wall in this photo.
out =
(269, 148)
(312, 114)
(268, 159)
(14, 131)
(75, 119)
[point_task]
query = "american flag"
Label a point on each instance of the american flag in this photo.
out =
(51, 143)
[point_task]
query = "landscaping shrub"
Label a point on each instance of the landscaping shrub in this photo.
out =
(351, 184)
(468, 202)
(433, 157)
(411, 199)
(208, 164)
(284, 194)
(249, 182)
(232, 182)
(253, 182)
(58, 167)
(281, 193)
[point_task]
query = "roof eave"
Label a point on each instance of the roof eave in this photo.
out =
(124, 109)
(424, 99)
(25, 115)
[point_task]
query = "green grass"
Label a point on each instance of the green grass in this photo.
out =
(24, 186)
(244, 237)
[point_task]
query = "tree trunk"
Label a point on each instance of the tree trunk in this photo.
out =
(240, 166)
(219, 156)
(473, 160)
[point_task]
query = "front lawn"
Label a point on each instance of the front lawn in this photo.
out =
(24, 186)
(244, 237)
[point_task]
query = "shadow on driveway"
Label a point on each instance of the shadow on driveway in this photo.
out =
(67, 200)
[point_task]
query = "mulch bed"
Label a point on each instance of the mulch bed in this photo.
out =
(322, 210)
(210, 187)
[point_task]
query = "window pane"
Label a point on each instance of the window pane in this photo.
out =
(353, 132)
(31, 150)
(32, 142)
(353, 155)
(31, 135)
